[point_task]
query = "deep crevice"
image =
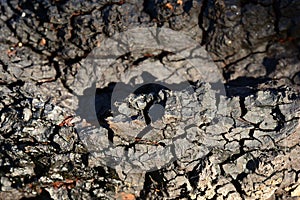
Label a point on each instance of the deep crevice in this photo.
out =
(203, 10)
(243, 107)
(276, 8)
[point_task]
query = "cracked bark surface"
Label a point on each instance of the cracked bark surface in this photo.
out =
(248, 150)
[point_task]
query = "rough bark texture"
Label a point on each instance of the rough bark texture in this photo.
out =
(247, 149)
